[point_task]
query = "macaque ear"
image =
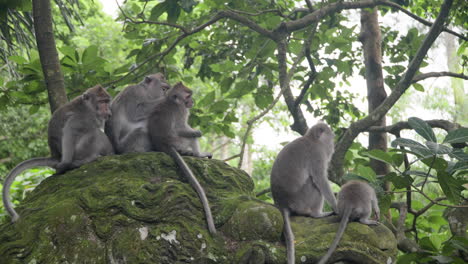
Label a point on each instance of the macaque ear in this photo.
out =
(147, 79)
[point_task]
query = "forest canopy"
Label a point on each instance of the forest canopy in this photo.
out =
(389, 78)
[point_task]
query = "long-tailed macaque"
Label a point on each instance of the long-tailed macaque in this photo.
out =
(356, 200)
(75, 137)
(170, 133)
(299, 180)
(127, 128)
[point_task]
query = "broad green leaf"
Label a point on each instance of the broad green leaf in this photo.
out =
(437, 163)
(457, 136)
(380, 155)
(17, 59)
(459, 155)
(33, 109)
(263, 97)
(89, 54)
(399, 181)
(226, 84)
(366, 172)
(422, 128)
(397, 159)
(242, 88)
(230, 117)
(158, 10)
(451, 187)
(173, 12)
(438, 148)
(414, 146)
(69, 53)
(208, 99)
(219, 107)
(458, 166)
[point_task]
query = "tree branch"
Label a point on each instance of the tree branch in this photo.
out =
(397, 127)
(318, 14)
(336, 166)
(423, 76)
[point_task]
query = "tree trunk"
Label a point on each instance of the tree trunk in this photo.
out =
(371, 40)
(48, 54)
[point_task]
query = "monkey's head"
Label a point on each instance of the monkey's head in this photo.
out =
(321, 132)
(98, 100)
(181, 95)
(156, 84)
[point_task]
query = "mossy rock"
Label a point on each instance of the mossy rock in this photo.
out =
(137, 208)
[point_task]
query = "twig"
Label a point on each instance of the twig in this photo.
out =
(423, 76)
(267, 190)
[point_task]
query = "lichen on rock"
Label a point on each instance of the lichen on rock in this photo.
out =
(138, 208)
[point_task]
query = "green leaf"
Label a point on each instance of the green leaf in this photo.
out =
(397, 159)
(208, 99)
(380, 155)
(242, 88)
(263, 97)
(17, 59)
(399, 181)
(366, 172)
(33, 109)
(422, 128)
(457, 136)
(89, 54)
(414, 146)
(438, 148)
(158, 10)
(436, 163)
(226, 84)
(187, 5)
(418, 87)
(219, 107)
(451, 187)
(173, 12)
(459, 155)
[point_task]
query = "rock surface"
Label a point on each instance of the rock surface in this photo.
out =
(137, 208)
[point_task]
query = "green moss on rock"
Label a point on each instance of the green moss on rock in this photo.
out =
(137, 208)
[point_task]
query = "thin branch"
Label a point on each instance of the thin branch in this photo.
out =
(232, 157)
(422, 20)
(267, 190)
(397, 127)
(436, 200)
(318, 14)
(256, 14)
(423, 76)
(427, 207)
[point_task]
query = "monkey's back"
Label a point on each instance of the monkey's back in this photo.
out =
(290, 181)
(76, 109)
(161, 125)
(358, 196)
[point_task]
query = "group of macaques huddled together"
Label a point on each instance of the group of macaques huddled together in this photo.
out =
(153, 116)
